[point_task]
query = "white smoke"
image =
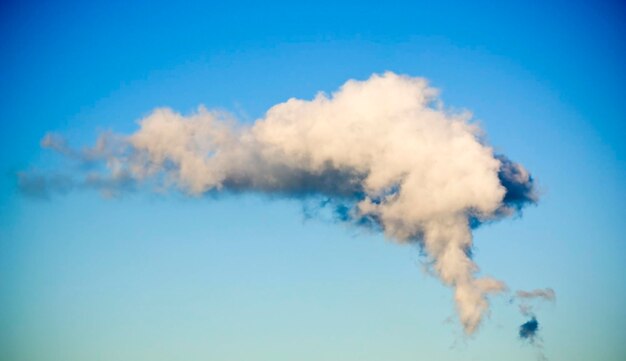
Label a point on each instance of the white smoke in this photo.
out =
(383, 148)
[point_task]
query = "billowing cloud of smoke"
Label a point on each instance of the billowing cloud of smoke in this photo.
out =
(384, 152)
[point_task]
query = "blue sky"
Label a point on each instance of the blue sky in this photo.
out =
(149, 277)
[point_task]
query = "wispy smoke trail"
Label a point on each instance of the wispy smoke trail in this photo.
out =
(527, 297)
(528, 331)
(547, 294)
(384, 152)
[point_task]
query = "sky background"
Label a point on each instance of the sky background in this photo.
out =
(147, 277)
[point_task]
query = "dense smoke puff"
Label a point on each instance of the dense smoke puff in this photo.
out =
(528, 330)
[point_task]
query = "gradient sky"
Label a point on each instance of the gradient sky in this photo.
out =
(147, 277)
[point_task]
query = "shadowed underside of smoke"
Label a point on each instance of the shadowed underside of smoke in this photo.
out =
(383, 152)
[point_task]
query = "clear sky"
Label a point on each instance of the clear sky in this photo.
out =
(146, 277)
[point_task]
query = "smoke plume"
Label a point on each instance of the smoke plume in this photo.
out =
(384, 152)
